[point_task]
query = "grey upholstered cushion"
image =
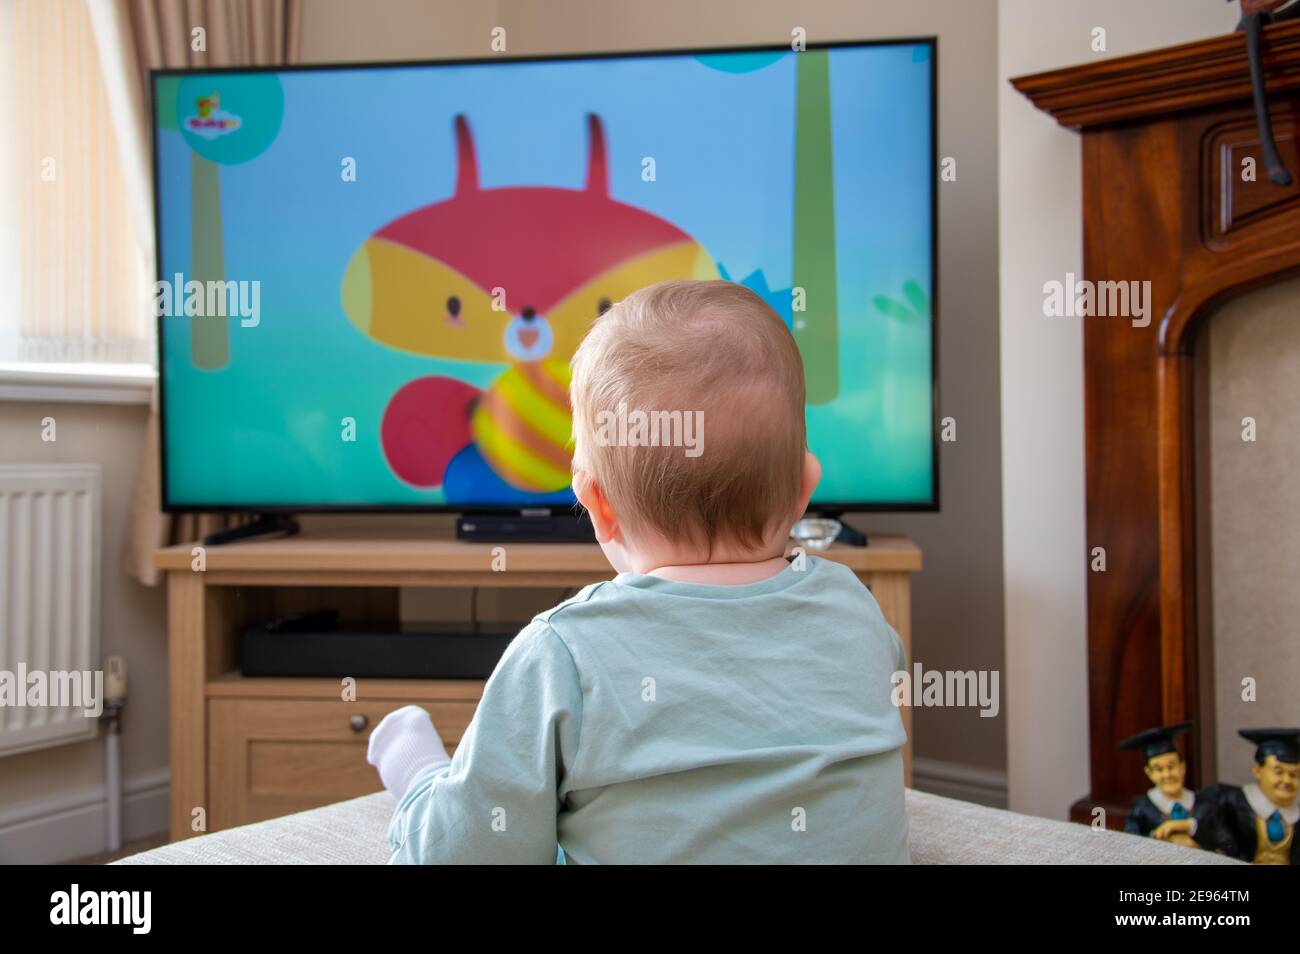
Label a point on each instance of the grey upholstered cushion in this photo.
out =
(948, 832)
(345, 833)
(943, 831)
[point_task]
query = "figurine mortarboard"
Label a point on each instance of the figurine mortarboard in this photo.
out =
(1257, 822)
(1167, 810)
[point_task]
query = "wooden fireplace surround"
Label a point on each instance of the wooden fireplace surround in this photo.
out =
(1163, 137)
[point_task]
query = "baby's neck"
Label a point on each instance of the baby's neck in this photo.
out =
(722, 574)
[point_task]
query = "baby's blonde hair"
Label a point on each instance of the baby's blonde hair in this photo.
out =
(709, 346)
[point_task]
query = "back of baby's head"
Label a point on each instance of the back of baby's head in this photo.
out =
(688, 409)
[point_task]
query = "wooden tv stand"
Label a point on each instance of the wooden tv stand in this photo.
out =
(245, 749)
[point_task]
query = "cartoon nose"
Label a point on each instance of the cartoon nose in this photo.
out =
(529, 313)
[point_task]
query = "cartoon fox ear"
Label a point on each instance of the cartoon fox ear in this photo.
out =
(597, 173)
(466, 163)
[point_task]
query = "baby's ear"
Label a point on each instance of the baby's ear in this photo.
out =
(809, 479)
(586, 489)
(592, 497)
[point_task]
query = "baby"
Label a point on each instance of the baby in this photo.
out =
(714, 702)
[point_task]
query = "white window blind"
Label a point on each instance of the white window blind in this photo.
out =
(74, 280)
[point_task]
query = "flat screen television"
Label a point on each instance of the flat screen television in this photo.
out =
(371, 277)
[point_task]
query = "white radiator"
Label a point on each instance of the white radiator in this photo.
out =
(49, 603)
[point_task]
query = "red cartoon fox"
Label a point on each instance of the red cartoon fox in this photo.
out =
(512, 275)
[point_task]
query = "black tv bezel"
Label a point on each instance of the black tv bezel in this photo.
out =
(816, 507)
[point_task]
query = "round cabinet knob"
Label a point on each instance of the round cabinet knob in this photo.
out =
(358, 723)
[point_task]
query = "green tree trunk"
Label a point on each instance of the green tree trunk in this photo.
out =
(209, 335)
(816, 330)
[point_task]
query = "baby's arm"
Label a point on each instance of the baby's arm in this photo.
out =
(497, 800)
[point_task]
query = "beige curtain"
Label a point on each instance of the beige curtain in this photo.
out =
(156, 34)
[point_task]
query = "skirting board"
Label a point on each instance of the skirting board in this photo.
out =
(965, 782)
(72, 825)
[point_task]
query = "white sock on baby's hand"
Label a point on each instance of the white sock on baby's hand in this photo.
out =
(403, 745)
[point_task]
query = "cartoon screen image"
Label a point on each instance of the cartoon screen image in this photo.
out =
(405, 259)
(434, 282)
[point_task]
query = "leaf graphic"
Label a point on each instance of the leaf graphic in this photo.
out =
(917, 298)
(887, 306)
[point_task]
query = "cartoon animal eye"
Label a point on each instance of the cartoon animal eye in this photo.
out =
(604, 306)
(453, 306)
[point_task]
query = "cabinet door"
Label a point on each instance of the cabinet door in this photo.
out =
(272, 757)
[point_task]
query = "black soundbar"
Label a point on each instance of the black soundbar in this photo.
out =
(404, 651)
(529, 526)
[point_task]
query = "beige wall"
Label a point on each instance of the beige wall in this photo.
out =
(1039, 219)
(1254, 547)
(335, 31)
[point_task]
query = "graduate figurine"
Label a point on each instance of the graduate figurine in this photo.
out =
(1167, 811)
(1257, 822)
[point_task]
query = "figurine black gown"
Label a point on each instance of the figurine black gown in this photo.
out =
(1230, 825)
(1144, 816)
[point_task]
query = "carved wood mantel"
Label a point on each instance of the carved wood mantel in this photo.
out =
(1165, 138)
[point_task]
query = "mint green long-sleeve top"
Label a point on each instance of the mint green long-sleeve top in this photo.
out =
(652, 721)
